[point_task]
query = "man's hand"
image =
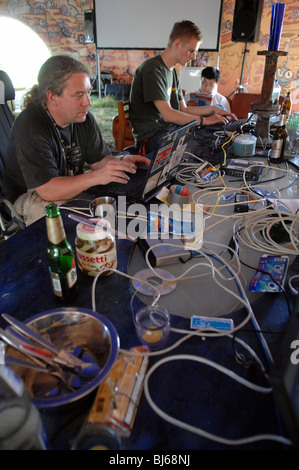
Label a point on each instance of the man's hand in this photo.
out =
(222, 112)
(137, 159)
(111, 169)
(214, 119)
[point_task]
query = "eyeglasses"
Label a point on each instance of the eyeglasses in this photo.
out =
(191, 51)
(208, 84)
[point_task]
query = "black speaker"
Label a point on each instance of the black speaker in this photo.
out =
(247, 19)
(89, 25)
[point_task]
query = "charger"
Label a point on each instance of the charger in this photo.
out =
(162, 253)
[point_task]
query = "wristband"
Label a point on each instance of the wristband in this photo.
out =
(124, 154)
(201, 121)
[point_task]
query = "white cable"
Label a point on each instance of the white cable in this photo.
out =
(201, 432)
(291, 279)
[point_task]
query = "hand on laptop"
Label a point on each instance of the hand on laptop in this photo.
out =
(220, 116)
(224, 113)
(111, 169)
(138, 160)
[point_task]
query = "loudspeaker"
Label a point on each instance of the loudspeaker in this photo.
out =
(247, 19)
(89, 25)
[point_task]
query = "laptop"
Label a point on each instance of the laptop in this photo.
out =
(165, 160)
(231, 126)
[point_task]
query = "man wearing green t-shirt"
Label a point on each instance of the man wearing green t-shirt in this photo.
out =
(156, 100)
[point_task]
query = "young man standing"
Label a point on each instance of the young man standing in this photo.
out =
(156, 98)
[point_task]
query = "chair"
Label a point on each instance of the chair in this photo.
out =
(121, 128)
(9, 219)
(240, 103)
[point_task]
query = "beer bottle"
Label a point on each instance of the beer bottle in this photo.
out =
(287, 105)
(60, 256)
(279, 141)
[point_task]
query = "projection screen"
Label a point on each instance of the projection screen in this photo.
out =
(146, 24)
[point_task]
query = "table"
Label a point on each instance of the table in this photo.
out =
(191, 391)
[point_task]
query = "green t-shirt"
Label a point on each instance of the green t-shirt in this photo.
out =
(152, 81)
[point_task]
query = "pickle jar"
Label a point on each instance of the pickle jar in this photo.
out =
(96, 248)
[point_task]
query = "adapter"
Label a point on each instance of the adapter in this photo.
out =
(162, 253)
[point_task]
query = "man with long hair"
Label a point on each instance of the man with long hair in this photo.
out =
(53, 138)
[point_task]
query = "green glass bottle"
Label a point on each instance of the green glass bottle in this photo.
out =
(60, 256)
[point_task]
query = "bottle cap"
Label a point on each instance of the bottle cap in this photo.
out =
(93, 232)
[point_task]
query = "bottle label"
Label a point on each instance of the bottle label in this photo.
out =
(55, 230)
(56, 284)
(71, 276)
(92, 263)
(276, 150)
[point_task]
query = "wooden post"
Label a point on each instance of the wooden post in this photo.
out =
(265, 108)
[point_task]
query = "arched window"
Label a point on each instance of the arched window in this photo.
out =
(22, 52)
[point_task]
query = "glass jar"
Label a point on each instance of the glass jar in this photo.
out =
(95, 248)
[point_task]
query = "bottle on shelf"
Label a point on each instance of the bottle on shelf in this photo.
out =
(276, 92)
(60, 257)
(279, 140)
(287, 105)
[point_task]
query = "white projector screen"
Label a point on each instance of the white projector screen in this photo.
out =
(146, 24)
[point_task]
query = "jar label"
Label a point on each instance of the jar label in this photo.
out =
(92, 263)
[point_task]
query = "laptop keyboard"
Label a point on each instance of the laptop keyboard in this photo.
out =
(233, 126)
(132, 189)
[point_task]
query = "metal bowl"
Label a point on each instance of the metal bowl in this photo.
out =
(71, 328)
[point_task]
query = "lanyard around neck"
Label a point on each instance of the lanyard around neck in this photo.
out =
(66, 155)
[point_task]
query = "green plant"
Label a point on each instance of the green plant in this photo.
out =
(104, 110)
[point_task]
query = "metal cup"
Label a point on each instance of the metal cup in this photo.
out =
(104, 207)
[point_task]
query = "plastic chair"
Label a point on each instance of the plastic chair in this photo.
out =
(9, 219)
(121, 127)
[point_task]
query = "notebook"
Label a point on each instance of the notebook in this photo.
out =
(165, 160)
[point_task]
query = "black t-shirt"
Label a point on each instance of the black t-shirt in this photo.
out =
(152, 81)
(38, 151)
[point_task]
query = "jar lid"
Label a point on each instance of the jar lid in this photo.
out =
(93, 232)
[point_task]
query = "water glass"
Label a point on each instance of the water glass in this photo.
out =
(292, 128)
(152, 326)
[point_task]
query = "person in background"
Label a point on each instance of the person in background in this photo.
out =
(52, 140)
(210, 78)
(156, 100)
